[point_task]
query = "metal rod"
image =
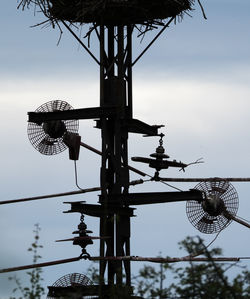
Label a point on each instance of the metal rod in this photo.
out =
(167, 260)
(40, 265)
(129, 70)
(240, 221)
(125, 258)
(151, 43)
(214, 179)
(81, 43)
(132, 183)
(236, 219)
(100, 153)
(50, 195)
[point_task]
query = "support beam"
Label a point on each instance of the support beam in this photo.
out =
(134, 199)
(85, 113)
(99, 210)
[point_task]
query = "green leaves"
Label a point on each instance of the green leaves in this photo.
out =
(35, 289)
(193, 280)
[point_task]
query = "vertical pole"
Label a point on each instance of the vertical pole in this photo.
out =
(118, 145)
(115, 89)
(102, 264)
(129, 68)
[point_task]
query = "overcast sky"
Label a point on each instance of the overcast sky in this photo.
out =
(195, 80)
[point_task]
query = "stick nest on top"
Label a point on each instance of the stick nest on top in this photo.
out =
(112, 12)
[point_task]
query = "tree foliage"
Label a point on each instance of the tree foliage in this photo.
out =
(195, 280)
(35, 290)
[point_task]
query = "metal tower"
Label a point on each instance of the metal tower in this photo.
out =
(114, 22)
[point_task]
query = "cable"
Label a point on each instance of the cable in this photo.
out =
(130, 168)
(205, 247)
(76, 180)
(171, 186)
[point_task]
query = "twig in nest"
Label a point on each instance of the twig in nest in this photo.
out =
(202, 9)
(89, 33)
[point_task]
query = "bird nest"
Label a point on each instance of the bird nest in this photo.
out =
(112, 12)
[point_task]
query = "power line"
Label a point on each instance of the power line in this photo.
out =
(168, 259)
(94, 189)
(50, 195)
(124, 258)
(213, 179)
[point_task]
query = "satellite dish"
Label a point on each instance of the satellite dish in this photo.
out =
(48, 138)
(71, 280)
(217, 210)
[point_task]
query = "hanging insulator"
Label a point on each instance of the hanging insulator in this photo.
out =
(160, 159)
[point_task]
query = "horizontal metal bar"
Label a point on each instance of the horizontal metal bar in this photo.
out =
(137, 126)
(84, 113)
(99, 210)
(154, 197)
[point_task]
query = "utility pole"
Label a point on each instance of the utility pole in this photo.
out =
(115, 90)
(114, 24)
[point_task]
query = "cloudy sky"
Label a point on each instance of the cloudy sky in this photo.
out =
(195, 80)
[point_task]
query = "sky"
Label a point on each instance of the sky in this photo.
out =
(195, 80)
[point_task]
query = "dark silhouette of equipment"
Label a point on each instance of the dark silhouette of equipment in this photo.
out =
(73, 281)
(160, 160)
(83, 239)
(217, 210)
(54, 136)
(53, 128)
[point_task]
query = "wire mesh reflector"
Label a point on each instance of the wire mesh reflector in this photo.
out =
(47, 138)
(72, 280)
(222, 192)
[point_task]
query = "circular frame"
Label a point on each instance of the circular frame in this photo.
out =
(41, 140)
(201, 219)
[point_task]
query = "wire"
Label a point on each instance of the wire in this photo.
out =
(205, 247)
(40, 265)
(171, 186)
(130, 168)
(164, 260)
(213, 239)
(50, 196)
(76, 180)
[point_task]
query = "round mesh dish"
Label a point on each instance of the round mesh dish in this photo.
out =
(223, 192)
(47, 138)
(71, 280)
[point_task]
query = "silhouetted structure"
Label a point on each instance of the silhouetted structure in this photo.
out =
(114, 22)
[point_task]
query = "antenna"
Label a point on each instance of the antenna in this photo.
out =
(218, 208)
(48, 137)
